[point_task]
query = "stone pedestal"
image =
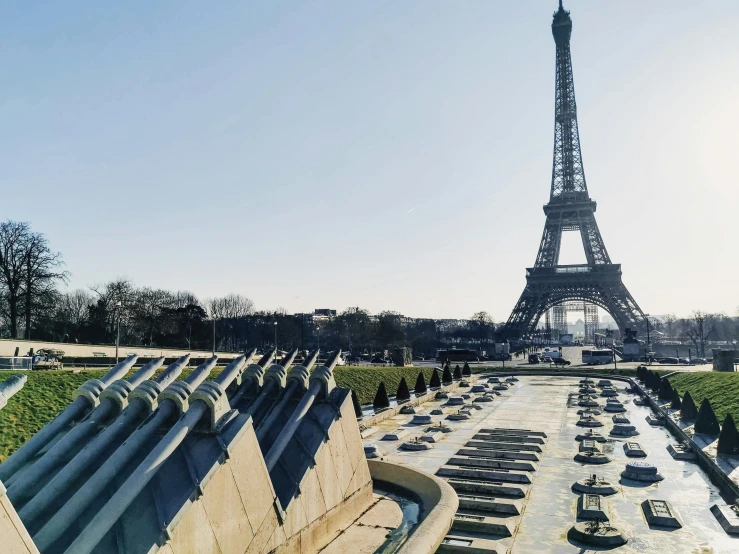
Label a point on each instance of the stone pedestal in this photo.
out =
(728, 517)
(723, 360)
(661, 513)
(591, 506)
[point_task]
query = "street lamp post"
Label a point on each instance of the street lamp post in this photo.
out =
(214, 336)
(118, 328)
(275, 338)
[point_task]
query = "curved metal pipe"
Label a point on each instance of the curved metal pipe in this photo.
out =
(114, 465)
(72, 413)
(121, 500)
(122, 426)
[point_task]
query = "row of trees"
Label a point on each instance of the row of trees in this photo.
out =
(33, 306)
(698, 329)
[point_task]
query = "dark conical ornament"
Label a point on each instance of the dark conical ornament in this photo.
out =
(420, 387)
(381, 399)
(403, 392)
(446, 377)
(435, 382)
(357, 405)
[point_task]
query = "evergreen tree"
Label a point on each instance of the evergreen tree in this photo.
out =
(420, 387)
(466, 372)
(403, 392)
(728, 440)
(641, 372)
(435, 382)
(381, 400)
(675, 405)
(457, 373)
(688, 409)
(357, 405)
(446, 378)
(706, 422)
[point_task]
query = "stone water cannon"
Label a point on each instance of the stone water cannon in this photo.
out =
(273, 383)
(170, 404)
(86, 398)
(142, 401)
(9, 387)
(112, 400)
(208, 404)
(295, 382)
(251, 377)
(321, 383)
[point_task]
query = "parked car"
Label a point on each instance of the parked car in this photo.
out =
(534, 358)
(668, 361)
(560, 361)
(698, 361)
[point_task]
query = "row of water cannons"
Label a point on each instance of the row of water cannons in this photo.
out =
(403, 393)
(134, 412)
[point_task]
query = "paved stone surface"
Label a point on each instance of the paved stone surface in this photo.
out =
(543, 403)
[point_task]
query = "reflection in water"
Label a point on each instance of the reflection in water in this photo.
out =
(395, 538)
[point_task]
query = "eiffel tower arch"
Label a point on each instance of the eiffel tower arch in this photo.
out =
(570, 208)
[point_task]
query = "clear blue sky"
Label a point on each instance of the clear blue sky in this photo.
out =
(400, 150)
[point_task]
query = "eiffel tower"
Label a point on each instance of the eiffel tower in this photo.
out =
(570, 208)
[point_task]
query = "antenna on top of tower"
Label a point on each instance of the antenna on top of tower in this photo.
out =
(560, 5)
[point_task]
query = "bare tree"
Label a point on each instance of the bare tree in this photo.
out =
(700, 327)
(483, 321)
(13, 238)
(41, 273)
(29, 272)
(670, 321)
(228, 314)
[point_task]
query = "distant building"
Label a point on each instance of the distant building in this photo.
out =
(323, 313)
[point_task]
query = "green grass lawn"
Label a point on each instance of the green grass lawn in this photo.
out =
(721, 389)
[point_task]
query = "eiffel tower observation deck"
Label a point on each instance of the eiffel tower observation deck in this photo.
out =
(570, 208)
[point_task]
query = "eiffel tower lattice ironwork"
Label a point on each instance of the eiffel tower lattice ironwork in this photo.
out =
(570, 209)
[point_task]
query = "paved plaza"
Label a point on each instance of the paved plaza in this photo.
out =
(539, 521)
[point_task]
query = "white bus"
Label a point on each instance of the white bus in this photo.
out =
(597, 356)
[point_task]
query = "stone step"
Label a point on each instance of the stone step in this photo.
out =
(508, 438)
(491, 463)
(460, 542)
(489, 505)
(503, 445)
(502, 475)
(470, 520)
(514, 432)
(508, 454)
(486, 488)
